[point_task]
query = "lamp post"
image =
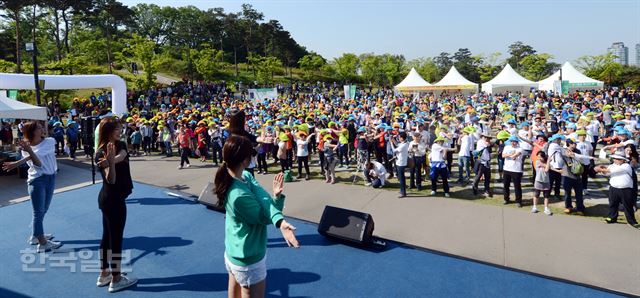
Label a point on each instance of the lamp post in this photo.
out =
(32, 48)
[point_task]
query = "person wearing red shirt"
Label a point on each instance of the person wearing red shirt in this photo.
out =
(202, 134)
(184, 142)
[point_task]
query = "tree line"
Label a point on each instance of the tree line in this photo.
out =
(94, 36)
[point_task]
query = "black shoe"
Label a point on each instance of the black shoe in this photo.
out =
(609, 220)
(519, 205)
(505, 202)
(475, 191)
(299, 177)
(307, 177)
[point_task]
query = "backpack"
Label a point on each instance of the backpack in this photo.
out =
(288, 177)
(574, 166)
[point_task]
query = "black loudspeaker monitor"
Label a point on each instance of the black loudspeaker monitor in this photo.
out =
(208, 198)
(348, 225)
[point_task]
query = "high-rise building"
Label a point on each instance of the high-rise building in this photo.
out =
(638, 54)
(622, 52)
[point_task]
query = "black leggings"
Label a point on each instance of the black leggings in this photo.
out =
(114, 217)
(303, 160)
(184, 156)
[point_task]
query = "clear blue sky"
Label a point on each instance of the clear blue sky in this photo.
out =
(566, 29)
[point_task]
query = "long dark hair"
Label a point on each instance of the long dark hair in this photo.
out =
(235, 151)
(107, 127)
(634, 152)
(236, 122)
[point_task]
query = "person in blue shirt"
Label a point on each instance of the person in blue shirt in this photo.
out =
(72, 138)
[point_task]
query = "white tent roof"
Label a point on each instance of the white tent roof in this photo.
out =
(571, 74)
(507, 78)
(11, 108)
(454, 79)
(413, 82)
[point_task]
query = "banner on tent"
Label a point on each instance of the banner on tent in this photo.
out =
(349, 91)
(259, 95)
(13, 94)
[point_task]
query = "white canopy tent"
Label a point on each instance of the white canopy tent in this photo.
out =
(576, 79)
(413, 82)
(67, 82)
(453, 80)
(508, 80)
(11, 108)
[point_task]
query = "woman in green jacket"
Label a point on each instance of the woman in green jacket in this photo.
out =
(249, 209)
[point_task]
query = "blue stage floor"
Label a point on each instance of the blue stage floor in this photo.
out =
(177, 251)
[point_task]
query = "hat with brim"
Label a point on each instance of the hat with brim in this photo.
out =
(440, 139)
(618, 156)
(486, 135)
(556, 137)
(513, 139)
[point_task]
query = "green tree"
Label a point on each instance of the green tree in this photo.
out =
(489, 67)
(426, 67)
(371, 68)
(392, 67)
(142, 51)
(518, 50)
(443, 62)
(536, 67)
(467, 64)
(7, 66)
(601, 67)
(265, 67)
(346, 67)
(209, 62)
(13, 11)
(108, 16)
(311, 64)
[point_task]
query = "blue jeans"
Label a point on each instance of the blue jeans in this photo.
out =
(401, 179)
(41, 192)
(464, 162)
(167, 148)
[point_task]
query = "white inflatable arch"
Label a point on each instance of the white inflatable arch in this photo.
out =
(67, 82)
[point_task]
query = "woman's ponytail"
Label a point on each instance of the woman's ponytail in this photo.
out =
(222, 181)
(236, 150)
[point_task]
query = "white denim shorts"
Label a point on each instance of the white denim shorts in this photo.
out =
(250, 275)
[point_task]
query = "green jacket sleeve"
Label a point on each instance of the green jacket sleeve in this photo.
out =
(257, 189)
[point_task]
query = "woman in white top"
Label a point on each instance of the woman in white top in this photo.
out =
(401, 152)
(438, 166)
(302, 153)
(417, 148)
(39, 153)
(512, 155)
(620, 189)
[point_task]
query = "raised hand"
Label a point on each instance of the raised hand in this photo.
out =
(288, 234)
(278, 184)
(24, 145)
(8, 166)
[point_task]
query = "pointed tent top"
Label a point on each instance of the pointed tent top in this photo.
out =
(454, 78)
(413, 82)
(571, 74)
(509, 77)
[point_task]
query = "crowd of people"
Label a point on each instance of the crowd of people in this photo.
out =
(381, 135)
(385, 135)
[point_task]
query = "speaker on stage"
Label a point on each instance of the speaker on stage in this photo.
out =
(348, 225)
(208, 198)
(87, 127)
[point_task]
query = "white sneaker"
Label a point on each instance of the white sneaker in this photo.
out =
(446, 195)
(122, 284)
(179, 167)
(104, 280)
(34, 240)
(433, 193)
(534, 210)
(547, 211)
(367, 184)
(50, 245)
(188, 165)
